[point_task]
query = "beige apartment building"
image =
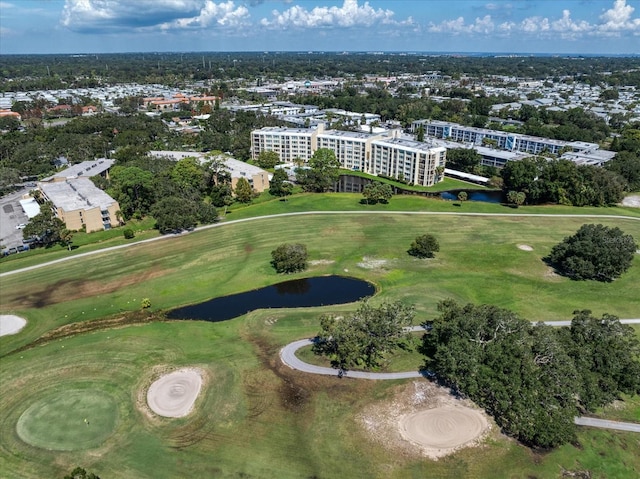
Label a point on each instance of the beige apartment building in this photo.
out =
(77, 201)
(385, 154)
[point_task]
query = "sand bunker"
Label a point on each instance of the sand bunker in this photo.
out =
(525, 247)
(443, 428)
(633, 201)
(11, 324)
(174, 394)
(423, 419)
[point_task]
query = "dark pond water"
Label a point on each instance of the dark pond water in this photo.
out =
(297, 293)
(355, 184)
(474, 195)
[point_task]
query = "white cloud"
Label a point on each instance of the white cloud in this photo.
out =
(126, 15)
(614, 21)
(618, 19)
(350, 14)
(458, 26)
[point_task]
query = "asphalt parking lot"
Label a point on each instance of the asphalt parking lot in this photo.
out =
(11, 215)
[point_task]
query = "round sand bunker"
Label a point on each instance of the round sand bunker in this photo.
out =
(443, 428)
(11, 324)
(174, 394)
(525, 247)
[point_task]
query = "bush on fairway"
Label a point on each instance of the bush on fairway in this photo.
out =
(289, 258)
(424, 246)
(594, 252)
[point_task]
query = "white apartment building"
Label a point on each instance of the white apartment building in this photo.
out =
(290, 144)
(377, 154)
(414, 161)
(504, 140)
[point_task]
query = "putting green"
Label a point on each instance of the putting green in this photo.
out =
(69, 421)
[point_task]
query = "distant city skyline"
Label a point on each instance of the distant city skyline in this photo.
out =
(500, 26)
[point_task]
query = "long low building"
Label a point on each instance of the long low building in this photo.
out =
(257, 177)
(385, 153)
(504, 140)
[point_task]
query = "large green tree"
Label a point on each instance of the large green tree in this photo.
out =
(364, 337)
(518, 372)
(322, 173)
(267, 159)
(375, 192)
(289, 258)
(627, 165)
(594, 252)
(133, 188)
(280, 185)
(424, 246)
(243, 191)
(45, 226)
(606, 354)
(175, 214)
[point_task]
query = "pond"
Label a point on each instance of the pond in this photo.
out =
(297, 293)
(356, 184)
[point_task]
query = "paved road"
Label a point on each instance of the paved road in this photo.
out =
(606, 424)
(306, 213)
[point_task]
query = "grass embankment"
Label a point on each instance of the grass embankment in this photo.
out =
(256, 417)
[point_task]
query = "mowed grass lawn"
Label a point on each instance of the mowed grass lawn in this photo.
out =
(256, 418)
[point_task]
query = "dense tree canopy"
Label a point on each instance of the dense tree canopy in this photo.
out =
(563, 182)
(322, 173)
(364, 337)
(289, 258)
(45, 226)
(376, 192)
(280, 185)
(424, 246)
(174, 214)
(594, 252)
(518, 372)
(627, 165)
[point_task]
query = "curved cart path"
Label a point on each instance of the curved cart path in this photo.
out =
(289, 358)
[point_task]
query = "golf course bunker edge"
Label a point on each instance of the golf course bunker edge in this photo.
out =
(174, 394)
(11, 324)
(444, 429)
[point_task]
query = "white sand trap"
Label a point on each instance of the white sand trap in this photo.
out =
(174, 394)
(443, 429)
(11, 324)
(525, 247)
(633, 201)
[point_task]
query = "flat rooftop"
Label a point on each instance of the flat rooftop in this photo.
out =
(86, 168)
(76, 194)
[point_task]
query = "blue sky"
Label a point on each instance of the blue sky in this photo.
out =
(535, 26)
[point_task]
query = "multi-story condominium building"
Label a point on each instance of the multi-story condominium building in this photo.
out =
(385, 153)
(501, 139)
(413, 161)
(290, 144)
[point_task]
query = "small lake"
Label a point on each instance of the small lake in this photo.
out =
(356, 184)
(297, 293)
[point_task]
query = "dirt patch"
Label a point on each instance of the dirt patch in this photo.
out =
(423, 419)
(69, 290)
(174, 394)
(372, 263)
(11, 324)
(550, 273)
(68, 330)
(320, 262)
(632, 201)
(525, 247)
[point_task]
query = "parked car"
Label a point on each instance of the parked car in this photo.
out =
(21, 226)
